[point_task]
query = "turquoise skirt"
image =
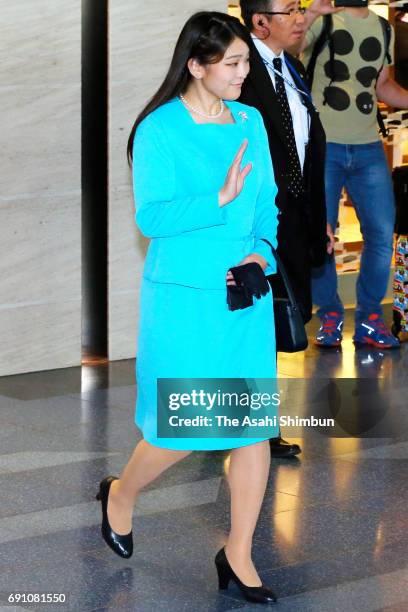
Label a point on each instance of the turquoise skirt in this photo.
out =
(185, 332)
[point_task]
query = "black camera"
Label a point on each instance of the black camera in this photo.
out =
(355, 3)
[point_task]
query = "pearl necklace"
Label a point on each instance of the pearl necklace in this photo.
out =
(198, 112)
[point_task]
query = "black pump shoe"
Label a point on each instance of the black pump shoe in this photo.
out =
(122, 545)
(225, 572)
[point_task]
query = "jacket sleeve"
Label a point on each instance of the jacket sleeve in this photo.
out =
(266, 211)
(158, 213)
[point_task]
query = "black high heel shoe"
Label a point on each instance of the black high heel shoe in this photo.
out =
(261, 594)
(122, 545)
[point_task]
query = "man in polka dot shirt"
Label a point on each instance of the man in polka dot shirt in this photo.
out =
(347, 100)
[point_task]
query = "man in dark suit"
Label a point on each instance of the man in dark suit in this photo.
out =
(275, 86)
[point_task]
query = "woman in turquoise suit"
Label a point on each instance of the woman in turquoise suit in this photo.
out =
(205, 196)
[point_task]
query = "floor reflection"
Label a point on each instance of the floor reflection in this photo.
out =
(332, 533)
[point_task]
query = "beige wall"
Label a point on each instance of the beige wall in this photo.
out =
(40, 72)
(40, 178)
(142, 37)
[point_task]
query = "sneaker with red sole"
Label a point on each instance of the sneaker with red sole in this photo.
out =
(330, 332)
(373, 332)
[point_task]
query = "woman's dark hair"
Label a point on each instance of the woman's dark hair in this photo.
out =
(205, 37)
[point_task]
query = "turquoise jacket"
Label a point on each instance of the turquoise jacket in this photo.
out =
(179, 167)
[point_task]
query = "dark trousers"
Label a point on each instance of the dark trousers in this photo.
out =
(294, 250)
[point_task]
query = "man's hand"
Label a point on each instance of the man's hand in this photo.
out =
(323, 7)
(331, 242)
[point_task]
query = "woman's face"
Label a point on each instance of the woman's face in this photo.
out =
(225, 78)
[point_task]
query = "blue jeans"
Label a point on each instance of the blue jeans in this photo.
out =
(363, 171)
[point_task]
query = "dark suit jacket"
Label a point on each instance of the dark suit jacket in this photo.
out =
(302, 224)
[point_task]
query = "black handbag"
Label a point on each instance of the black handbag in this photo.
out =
(290, 330)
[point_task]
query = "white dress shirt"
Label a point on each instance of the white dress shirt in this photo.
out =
(300, 115)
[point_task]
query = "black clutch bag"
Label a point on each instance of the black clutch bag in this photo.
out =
(250, 281)
(290, 331)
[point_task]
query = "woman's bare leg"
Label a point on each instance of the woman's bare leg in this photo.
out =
(247, 477)
(145, 465)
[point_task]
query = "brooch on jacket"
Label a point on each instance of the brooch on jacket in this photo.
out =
(243, 115)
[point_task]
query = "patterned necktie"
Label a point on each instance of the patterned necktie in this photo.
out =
(295, 172)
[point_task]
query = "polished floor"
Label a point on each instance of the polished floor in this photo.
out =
(333, 531)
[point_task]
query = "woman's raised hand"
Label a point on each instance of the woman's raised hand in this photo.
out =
(235, 179)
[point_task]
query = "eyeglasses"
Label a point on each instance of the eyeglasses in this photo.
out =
(290, 12)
